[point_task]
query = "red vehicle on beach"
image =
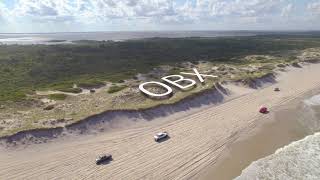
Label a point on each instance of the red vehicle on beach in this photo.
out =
(263, 110)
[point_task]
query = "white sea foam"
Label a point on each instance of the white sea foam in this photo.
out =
(298, 160)
(310, 114)
(313, 101)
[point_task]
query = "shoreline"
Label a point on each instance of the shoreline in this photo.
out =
(196, 140)
(285, 127)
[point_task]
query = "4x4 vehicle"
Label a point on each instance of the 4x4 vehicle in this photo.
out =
(102, 158)
(263, 110)
(276, 89)
(160, 136)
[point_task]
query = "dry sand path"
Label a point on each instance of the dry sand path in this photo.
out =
(196, 140)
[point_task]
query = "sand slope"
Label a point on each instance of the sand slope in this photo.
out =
(196, 140)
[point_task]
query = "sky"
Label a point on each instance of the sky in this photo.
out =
(32, 16)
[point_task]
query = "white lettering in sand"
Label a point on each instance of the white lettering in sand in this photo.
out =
(181, 79)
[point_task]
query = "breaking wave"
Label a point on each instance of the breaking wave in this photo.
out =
(313, 101)
(298, 160)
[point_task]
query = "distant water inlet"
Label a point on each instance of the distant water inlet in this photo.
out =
(45, 38)
(27, 40)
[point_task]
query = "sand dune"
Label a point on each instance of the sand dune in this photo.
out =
(196, 140)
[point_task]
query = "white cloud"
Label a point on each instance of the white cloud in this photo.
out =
(314, 7)
(44, 10)
(157, 12)
(3, 12)
(236, 7)
(130, 9)
(168, 9)
(287, 10)
(232, 11)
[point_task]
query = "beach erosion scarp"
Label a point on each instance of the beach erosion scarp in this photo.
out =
(196, 141)
(119, 119)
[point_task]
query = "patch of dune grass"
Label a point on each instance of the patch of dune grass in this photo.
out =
(71, 90)
(91, 83)
(251, 76)
(267, 67)
(57, 96)
(116, 88)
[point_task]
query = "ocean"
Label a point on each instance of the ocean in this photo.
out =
(298, 160)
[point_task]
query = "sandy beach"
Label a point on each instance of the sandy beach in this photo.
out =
(197, 141)
(288, 124)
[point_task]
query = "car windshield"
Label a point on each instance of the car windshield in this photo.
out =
(160, 134)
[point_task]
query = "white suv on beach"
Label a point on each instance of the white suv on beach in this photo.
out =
(160, 136)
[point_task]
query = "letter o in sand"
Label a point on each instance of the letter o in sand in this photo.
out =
(141, 87)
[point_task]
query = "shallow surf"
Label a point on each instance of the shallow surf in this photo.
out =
(298, 160)
(286, 147)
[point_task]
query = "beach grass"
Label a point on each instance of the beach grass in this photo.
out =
(57, 96)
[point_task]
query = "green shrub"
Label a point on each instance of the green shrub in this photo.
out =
(57, 96)
(71, 90)
(91, 84)
(267, 67)
(115, 88)
(12, 95)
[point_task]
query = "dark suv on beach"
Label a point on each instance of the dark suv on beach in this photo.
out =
(103, 158)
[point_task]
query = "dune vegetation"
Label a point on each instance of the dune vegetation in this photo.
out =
(26, 68)
(69, 82)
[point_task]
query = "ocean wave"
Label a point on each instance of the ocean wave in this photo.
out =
(298, 160)
(313, 101)
(310, 114)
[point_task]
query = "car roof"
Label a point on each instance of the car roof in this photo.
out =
(161, 133)
(101, 155)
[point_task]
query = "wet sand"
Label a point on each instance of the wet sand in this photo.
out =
(269, 135)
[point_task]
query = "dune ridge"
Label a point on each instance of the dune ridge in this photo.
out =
(103, 121)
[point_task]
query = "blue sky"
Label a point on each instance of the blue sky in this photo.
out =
(152, 15)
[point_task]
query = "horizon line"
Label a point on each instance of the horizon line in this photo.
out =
(240, 30)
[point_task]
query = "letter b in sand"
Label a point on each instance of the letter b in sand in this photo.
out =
(181, 79)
